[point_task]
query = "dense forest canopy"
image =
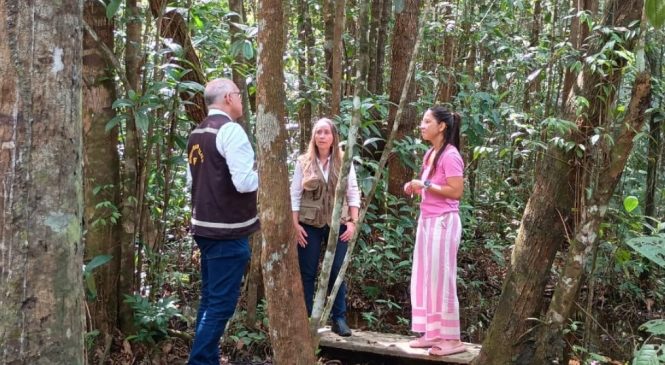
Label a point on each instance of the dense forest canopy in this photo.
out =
(561, 101)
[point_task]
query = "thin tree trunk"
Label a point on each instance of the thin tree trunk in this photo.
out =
(655, 56)
(41, 193)
(305, 64)
(376, 13)
(449, 57)
(130, 170)
(101, 172)
(292, 344)
(578, 35)
(386, 13)
(405, 35)
(337, 57)
(328, 48)
(239, 78)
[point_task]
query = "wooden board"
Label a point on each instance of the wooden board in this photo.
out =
(388, 344)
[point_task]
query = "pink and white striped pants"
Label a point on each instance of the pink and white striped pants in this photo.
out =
(434, 304)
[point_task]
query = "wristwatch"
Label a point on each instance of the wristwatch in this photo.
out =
(426, 184)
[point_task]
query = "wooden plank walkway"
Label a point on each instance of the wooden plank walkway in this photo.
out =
(388, 344)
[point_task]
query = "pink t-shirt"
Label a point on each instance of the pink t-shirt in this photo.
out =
(450, 164)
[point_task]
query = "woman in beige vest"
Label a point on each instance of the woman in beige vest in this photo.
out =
(312, 194)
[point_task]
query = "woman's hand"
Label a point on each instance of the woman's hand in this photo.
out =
(300, 234)
(407, 188)
(413, 186)
(350, 230)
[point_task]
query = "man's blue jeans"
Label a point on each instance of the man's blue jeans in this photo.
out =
(223, 264)
(308, 258)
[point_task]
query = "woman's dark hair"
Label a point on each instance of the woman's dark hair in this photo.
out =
(451, 135)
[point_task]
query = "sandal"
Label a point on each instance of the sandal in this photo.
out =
(442, 349)
(422, 343)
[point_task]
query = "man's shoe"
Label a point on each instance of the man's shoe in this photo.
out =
(340, 327)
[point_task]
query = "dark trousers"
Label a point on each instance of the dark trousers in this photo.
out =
(223, 264)
(308, 257)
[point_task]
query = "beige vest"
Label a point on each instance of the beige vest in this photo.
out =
(316, 203)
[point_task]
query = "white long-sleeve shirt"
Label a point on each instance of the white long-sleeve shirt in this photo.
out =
(231, 140)
(352, 191)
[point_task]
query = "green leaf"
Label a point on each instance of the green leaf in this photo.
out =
(655, 11)
(653, 248)
(630, 203)
(119, 103)
(655, 327)
(646, 355)
(112, 8)
(142, 121)
(96, 262)
(248, 50)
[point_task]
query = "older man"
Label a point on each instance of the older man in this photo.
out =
(224, 214)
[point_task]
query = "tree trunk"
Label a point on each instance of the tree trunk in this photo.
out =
(375, 24)
(130, 169)
(337, 57)
(542, 231)
(239, 78)
(405, 35)
(41, 194)
(607, 165)
(381, 45)
(328, 47)
(578, 34)
(448, 55)
(292, 344)
(101, 171)
(305, 64)
(655, 57)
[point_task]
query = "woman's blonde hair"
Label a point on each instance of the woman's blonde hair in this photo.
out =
(309, 158)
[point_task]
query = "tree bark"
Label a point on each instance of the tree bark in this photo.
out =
(654, 56)
(292, 344)
(608, 165)
(381, 45)
(405, 35)
(337, 57)
(578, 34)
(375, 23)
(239, 78)
(129, 207)
(101, 171)
(41, 193)
(541, 233)
(328, 48)
(305, 64)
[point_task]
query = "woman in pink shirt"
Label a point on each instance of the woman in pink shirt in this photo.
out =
(434, 304)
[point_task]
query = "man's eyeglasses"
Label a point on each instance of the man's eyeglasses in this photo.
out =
(235, 92)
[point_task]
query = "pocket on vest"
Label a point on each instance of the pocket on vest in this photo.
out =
(308, 212)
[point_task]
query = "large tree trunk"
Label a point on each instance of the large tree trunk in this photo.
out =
(406, 32)
(292, 344)
(101, 171)
(41, 194)
(607, 165)
(542, 231)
